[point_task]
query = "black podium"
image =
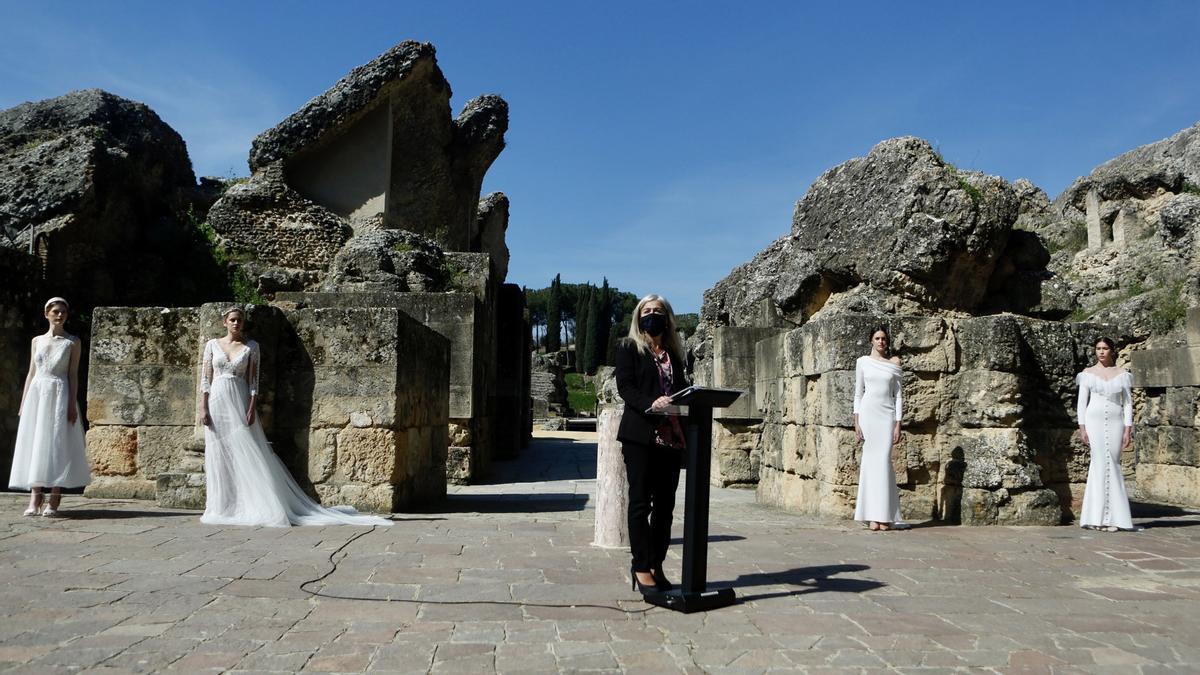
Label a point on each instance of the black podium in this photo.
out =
(692, 595)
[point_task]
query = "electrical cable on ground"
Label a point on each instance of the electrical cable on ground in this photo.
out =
(514, 603)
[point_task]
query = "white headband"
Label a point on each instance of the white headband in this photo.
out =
(55, 299)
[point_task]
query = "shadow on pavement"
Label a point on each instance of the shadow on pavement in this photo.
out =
(811, 579)
(116, 514)
(539, 502)
(712, 538)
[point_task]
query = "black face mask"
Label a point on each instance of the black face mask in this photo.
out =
(653, 324)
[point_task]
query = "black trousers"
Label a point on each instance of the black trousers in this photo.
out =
(653, 474)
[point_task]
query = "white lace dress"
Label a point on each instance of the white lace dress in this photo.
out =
(878, 403)
(49, 450)
(1105, 408)
(247, 484)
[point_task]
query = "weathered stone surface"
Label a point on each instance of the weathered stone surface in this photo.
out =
(181, 490)
(168, 449)
(350, 397)
(112, 451)
(733, 368)
(97, 178)
(388, 260)
(734, 460)
(937, 234)
(491, 222)
(367, 455)
(1169, 484)
(266, 220)
(1005, 507)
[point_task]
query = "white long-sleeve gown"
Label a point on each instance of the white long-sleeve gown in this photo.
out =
(247, 484)
(1105, 408)
(878, 404)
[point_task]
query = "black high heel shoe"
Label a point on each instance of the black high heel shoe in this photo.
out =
(638, 585)
(661, 582)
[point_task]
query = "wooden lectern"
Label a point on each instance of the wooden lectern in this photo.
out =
(692, 595)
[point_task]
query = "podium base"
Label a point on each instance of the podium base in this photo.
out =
(693, 602)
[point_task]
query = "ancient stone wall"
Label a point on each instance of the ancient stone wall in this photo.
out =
(20, 275)
(988, 418)
(1166, 440)
(354, 401)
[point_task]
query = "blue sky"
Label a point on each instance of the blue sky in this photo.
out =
(658, 144)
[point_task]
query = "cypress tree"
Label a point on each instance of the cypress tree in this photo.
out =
(581, 328)
(554, 316)
(594, 348)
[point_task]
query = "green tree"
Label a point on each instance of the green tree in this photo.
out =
(554, 316)
(581, 329)
(597, 331)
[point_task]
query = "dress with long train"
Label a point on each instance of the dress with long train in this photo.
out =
(1105, 408)
(247, 484)
(49, 450)
(877, 401)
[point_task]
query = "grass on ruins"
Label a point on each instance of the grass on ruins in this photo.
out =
(581, 393)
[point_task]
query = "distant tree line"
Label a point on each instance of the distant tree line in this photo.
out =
(590, 318)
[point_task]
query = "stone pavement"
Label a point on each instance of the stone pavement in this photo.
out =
(504, 578)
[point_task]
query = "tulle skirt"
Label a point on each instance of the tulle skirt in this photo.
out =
(49, 450)
(247, 484)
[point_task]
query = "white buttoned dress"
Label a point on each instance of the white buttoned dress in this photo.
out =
(1105, 408)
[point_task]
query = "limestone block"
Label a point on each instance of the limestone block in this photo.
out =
(1005, 507)
(769, 376)
(460, 433)
(455, 317)
(321, 445)
(926, 402)
(925, 344)
(367, 455)
(458, 464)
(135, 395)
(365, 498)
(181, 491)
(1060, 453)
(799, 449)
(1179, 367)
(120, 487)
(140, 336)
(734, 458)
(343, 337)
(1178, 446)
(805, 495)
(829, 400)
(734, 367)
(832, 343)
(838, 454)
(919, 502)
(997, 458)
(112, 450)
(985, 398)
(1169, 484)
(920, 455)
(167, 450)
(989, 343)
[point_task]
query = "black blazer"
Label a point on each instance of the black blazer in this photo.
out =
(637, 382)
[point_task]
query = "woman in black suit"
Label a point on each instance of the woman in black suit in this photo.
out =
(649, 368)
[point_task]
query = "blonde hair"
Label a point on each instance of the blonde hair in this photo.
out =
(670, 337)
(231, 309)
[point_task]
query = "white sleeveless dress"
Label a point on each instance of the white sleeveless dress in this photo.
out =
(246, 483)
(878, 402)
(1105, 408)
(49, 451)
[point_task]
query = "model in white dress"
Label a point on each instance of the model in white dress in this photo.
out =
(247, 484)
(1105, 413)
(878, 410)
(49, 451)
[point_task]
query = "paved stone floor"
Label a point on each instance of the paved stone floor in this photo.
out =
(504, 578)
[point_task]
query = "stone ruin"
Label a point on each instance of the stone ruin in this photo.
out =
(396, 356)
(949, 261)
(1167, 445)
